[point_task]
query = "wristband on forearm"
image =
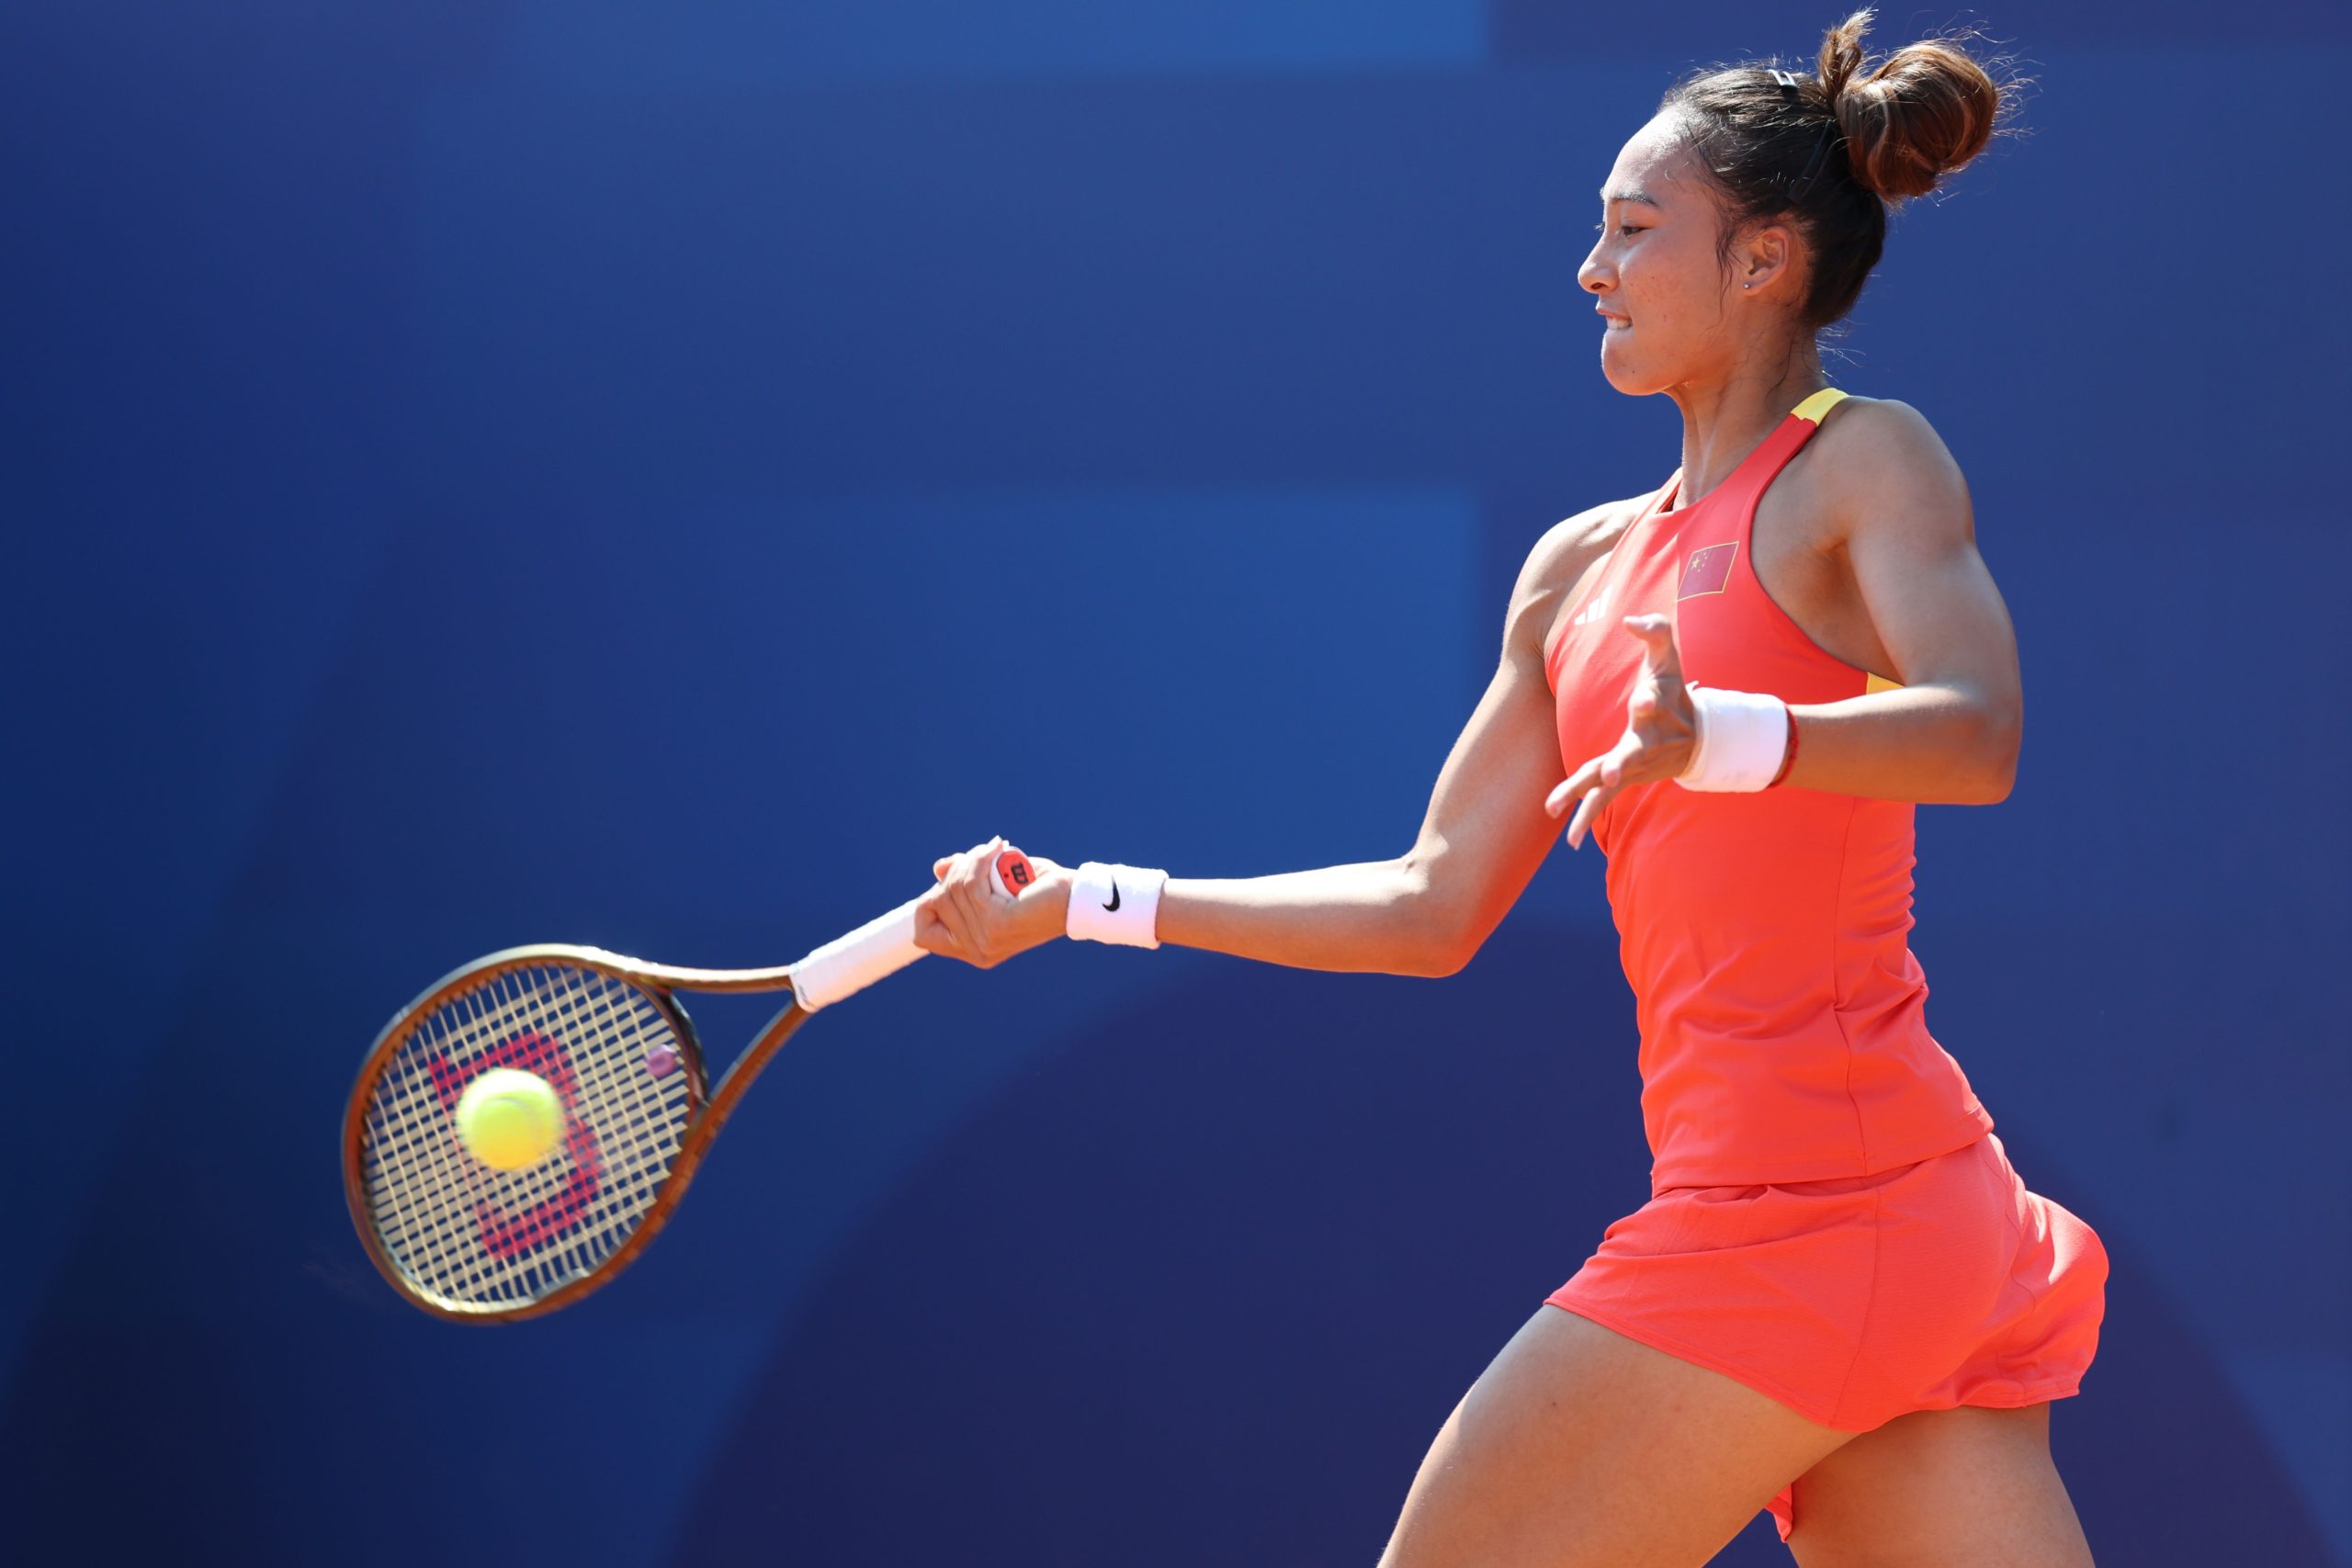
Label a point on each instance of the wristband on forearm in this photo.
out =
(1109, 902)
(1745, 742)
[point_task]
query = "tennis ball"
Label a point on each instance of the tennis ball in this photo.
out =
(509, 1120)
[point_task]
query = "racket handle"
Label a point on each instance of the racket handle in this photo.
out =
(885, 944)
(847, 964)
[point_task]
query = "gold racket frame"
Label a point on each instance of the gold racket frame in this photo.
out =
(706, 1111)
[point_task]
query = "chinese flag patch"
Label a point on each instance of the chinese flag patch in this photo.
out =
(1707, 570)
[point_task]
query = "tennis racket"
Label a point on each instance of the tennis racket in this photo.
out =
(465, 1241)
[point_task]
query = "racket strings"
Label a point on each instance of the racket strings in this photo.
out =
(469, 1235)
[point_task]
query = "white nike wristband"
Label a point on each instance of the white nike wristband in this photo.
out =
(1116, 903)
(1743, 737)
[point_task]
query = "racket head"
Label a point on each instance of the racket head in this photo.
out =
(467, 1242)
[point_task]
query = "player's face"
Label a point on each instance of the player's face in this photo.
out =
(1656, 274)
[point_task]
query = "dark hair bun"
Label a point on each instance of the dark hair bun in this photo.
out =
(1919, 114)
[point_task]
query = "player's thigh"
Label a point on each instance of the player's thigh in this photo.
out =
(1940, 1489)
(1579, 1447)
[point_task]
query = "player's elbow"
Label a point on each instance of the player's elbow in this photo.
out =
(1451, 941)
(1434, 949)
(1442, 962)
(2000, 732)
(1437, 938)
(2001, 782)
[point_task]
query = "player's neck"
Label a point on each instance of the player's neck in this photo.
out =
(1723, 421)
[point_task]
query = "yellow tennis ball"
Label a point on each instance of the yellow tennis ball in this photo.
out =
(509, 1120)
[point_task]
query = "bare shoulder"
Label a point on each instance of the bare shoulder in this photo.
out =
(1877, 462)
(1570, 546)
(1556, 563)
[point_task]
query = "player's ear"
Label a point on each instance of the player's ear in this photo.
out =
(1765, 255)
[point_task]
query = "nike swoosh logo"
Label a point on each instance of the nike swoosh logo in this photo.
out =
(1115, 898)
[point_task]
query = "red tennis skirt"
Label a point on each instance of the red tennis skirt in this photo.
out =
(1857, 1300)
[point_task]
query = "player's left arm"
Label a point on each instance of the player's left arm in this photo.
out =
(1950, 735)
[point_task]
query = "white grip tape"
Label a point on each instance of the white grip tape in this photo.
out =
(1743, 737)
(847, 964)
(882, 946)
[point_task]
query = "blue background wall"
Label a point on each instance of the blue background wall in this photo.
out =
(646, 474)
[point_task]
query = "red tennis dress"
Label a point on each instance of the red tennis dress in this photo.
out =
(1832, 1220)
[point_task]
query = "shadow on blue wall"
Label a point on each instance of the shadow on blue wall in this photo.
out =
(1197, 1286)
(1196, 1293)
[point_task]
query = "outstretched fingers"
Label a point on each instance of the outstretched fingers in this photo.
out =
(1592, 787)
(1658, 727)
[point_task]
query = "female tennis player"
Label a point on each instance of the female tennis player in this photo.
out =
(1840, 1303)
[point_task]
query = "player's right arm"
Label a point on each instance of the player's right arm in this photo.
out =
(1425, 913)
(1485, 835)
